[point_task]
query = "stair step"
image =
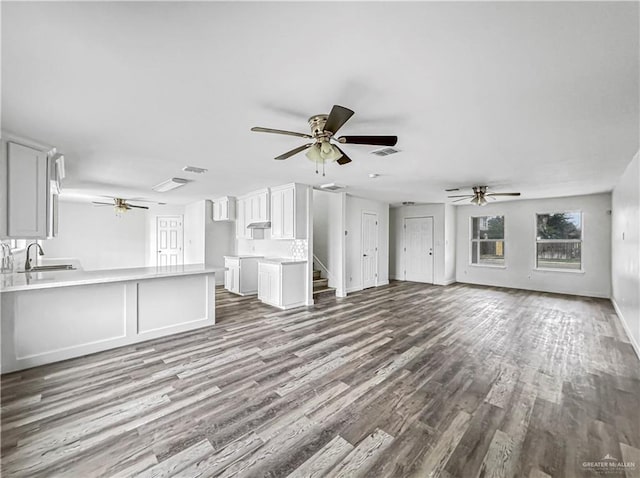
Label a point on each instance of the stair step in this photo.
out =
(323, 291)
(320, 283)
(316, 275)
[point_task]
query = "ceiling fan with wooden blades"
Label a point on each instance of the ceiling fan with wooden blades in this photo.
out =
(323, 147)
(121, 205)
(479, 196)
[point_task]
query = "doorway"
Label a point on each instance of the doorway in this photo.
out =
(418, 249)
(369, 249)
(169, 237)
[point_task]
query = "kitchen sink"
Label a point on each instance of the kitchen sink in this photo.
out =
(52, 267)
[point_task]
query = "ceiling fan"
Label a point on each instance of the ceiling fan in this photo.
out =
(479, 196)
(120, 205)
(323, 148)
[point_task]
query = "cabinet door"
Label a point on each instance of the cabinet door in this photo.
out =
(288, 213)
(26, 192)
(235, 284)
(274, 285)
(263, 206)
(263, 284)
(241, 231)
(228, 279)
(276, 215)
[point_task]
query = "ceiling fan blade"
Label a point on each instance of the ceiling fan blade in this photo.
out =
(139, 207)
(502, 194)
(339, 116)
(373, 140)
(294, 151)
(451, 190)
(344, 159)
(102, 203)
(280, 131)
(461, 196)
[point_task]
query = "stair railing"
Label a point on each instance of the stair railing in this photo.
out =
(323, 267)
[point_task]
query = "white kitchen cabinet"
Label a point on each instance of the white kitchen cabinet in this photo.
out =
(289, 212)
(258, 206)
(224, 209)
(27, 199)
(241, 276)
(282, 284)
(252, 208)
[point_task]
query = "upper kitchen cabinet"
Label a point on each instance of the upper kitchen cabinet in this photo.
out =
(289, 212)
(252, 208)
(32, 176)
(259, 208)
(224, 209)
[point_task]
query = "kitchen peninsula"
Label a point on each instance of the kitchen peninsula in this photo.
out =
(53, 316)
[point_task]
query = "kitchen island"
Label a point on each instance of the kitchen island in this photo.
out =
(52, 316)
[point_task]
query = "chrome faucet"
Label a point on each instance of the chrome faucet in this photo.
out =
(27, 264)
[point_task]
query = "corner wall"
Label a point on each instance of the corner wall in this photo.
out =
(355, 206)
(520, 246)
(444, 251)
(625, 250)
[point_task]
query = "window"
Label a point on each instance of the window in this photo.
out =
(487, 240)
(17, 244)
(559, 241)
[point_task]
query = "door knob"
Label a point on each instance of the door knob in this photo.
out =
(364, 255)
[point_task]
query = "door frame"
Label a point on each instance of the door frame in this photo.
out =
(377, 257)
(404, 246)
(181, 217)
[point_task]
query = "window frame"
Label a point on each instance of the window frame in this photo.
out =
(472, 241)
(551, 241)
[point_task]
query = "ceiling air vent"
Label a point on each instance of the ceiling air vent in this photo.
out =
(332, 187)
(194, 169)
(385, 151)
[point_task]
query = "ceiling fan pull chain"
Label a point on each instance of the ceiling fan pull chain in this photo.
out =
(316, 167)
(323, 163)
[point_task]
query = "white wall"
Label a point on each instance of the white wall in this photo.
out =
(355, 206)
(443, 240)
(450, 215)
(328, 235)
(194, 232)
(99, 238)
(520, 235)
(625, 250)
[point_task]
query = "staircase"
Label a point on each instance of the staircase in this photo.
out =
(320, 285)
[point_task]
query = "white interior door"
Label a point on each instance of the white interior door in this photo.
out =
(169, 236)
(369, 249)
(418, 249)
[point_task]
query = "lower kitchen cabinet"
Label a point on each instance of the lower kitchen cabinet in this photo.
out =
(241, 275)
(282, 284)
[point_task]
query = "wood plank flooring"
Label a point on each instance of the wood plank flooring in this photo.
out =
(402, 380)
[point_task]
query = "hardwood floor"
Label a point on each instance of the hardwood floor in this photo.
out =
(402, 380)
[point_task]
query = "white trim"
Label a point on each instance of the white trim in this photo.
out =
(449, 282)
(571, 271)
(625, 326)
(488, 265)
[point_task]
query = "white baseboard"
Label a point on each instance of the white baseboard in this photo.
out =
(382, 283)
(632, 341)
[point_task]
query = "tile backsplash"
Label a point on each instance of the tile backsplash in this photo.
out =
(299, 249)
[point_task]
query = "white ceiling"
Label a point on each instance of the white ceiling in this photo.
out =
(540, 98)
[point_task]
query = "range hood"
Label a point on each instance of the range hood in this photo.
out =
(259, 225)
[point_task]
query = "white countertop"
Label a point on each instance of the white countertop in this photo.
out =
(281, 260)
(45, 280)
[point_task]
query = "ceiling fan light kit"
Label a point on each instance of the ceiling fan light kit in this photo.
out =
(323, 129)
(479, 196)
